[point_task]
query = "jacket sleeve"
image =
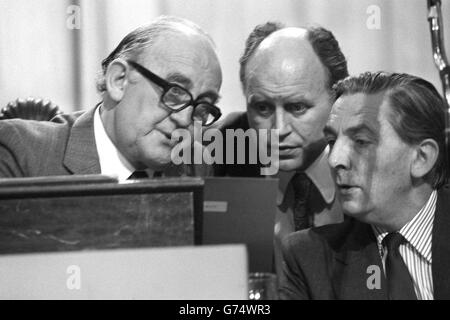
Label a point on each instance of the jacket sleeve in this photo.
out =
(10, 143)
(292, 284)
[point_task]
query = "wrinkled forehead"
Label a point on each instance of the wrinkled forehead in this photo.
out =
(181, 47)
(190, 55)
(359, 110)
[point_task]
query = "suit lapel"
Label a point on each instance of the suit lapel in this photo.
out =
(441, 246)
(81, 155)
(360, 250)
(358, 265)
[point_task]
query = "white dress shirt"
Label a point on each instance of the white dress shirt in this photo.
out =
(112, 162)
(416, 252)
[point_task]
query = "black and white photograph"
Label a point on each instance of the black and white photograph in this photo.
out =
(241, 152)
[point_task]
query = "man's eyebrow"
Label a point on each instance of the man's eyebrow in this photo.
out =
(180, 79)
(187, 84)
(328, 130)
(212, 95)
(302, 101)
(291, 99)
(362, 127)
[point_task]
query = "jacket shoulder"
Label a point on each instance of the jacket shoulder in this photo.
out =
(18, 131)
(308, 259)
(29, 148)
(444, 191)
(332, 236)
(235, 120)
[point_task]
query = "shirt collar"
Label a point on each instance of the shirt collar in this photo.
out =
(320, 174)
(112, 162)
(418, 232)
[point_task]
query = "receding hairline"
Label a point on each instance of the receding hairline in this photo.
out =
(177, 29)
(382, 108)
(294, 53)
(140, 39)
(296, 36)
(284, 33)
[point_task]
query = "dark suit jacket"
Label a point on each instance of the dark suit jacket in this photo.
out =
(235, 120)
(331, 262)
(65, 145)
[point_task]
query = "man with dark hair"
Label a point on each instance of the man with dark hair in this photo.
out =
(287, 74)
(386, 133)
(149, 87)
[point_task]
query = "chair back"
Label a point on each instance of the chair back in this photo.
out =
(30, 109)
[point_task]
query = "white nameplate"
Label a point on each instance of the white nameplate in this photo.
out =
(215, 206)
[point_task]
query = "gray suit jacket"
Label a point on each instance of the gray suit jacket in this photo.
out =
(65, 145)
(330, 262)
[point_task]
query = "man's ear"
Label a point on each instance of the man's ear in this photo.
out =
(425, 156)
(116, 79)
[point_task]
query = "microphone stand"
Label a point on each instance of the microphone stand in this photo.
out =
(440, 60)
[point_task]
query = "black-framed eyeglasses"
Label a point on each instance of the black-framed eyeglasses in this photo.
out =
(176, 98)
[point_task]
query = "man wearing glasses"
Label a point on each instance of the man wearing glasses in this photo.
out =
(161, 77)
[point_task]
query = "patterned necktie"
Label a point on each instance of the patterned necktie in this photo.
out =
(400, 284)
(139, 174)
(302, 189)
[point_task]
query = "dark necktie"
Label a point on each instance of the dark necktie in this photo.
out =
(140, 174)
(157, 174)
(400, 284)
(302, 189)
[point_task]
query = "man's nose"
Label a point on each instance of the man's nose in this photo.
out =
(183, 118)
(339, 157)
(282, 122)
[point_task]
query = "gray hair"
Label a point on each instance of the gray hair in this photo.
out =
(142, 38)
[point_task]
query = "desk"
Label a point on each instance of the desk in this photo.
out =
(94, 212)
(200, 272)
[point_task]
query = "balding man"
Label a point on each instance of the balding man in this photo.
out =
(287, 76)
(149, 88)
